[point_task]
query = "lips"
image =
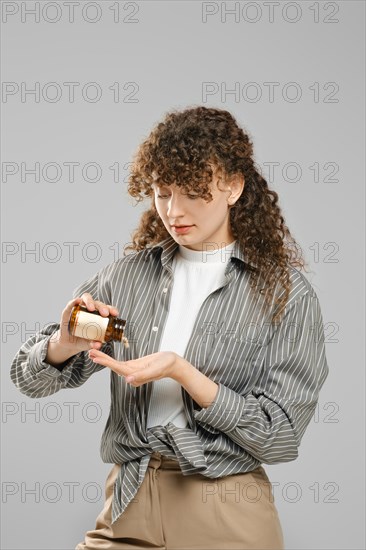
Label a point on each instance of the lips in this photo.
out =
(181, 229)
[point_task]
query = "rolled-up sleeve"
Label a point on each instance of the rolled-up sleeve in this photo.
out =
(270, 420)
(36, 378)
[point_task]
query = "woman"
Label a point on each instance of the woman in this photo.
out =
(226, 356)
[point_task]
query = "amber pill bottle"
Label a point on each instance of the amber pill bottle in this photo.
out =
(93, 326)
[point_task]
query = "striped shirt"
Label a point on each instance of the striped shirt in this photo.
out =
(269, 376)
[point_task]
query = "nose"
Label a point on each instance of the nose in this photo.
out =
(174, 207)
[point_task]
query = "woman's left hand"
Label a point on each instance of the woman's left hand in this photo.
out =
(140, 371)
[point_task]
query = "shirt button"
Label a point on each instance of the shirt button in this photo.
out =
(155, 329)
(165, 290)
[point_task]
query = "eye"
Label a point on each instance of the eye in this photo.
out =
(167, 196)
(189, 195)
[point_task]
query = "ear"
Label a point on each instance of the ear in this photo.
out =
(236, 186)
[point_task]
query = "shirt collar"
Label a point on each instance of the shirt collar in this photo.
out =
(169, 247)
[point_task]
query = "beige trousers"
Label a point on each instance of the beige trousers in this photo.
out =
(175, 512)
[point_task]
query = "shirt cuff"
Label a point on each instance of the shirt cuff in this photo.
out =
(38, 364)
(224, 412)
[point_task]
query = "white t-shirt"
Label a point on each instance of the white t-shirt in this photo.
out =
(196, 275)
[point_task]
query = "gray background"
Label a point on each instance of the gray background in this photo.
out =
(169, 52)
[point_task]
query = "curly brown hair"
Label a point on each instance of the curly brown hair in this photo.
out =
(182, 149)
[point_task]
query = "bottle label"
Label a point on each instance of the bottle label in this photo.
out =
(89, 326)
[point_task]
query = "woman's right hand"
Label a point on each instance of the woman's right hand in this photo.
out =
(74, 344)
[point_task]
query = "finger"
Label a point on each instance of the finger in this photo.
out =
(103, 309)
(97, 354)
(107, 361)
(138, 378)
(149, 368)
(95, 345)
(146, 373)
(88, 301)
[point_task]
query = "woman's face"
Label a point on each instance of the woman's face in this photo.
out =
(206, 223)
